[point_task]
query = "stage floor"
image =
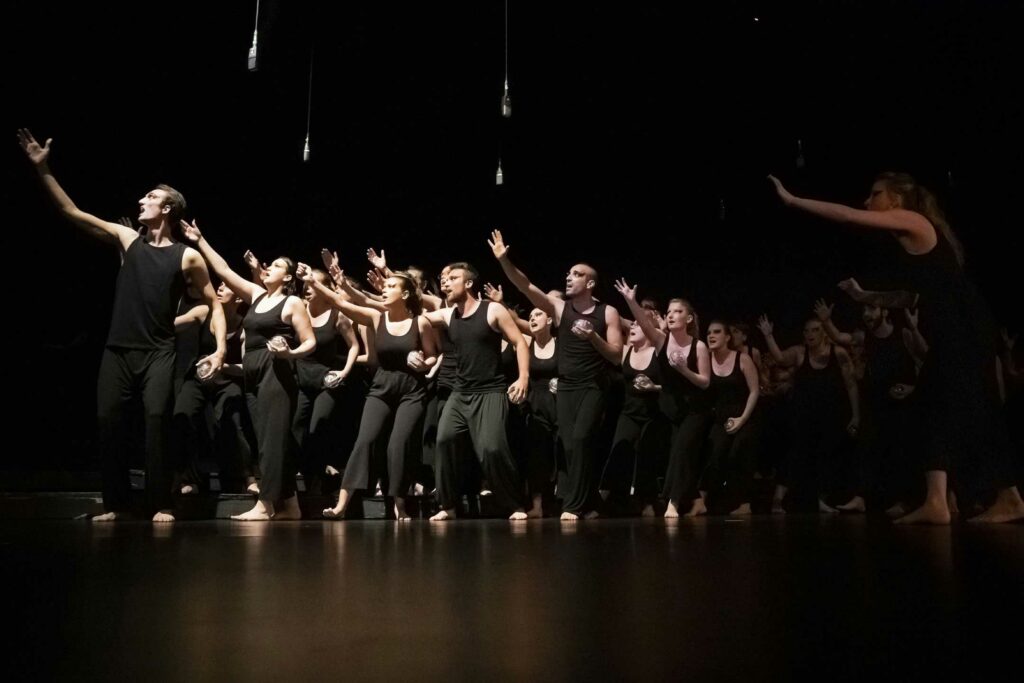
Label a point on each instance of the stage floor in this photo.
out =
(763, 599)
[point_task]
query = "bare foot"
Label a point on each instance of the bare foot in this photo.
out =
(331, 471)
(188, 490)
(443, 515)
(537, 510)
(400, 514)
(331, 513)
(519, 515)
(698, 508)
(110, 517)
(934, 511)
(288, 510)
(1008, 508)
(593, 514)
(777, 508)
(826, 509)
(855, 504)
(486, 492)
(259, 513)
(670, 511)
(742, 511)
(253, 488)
(896, 511)
(569, 517)
(648, 511)
(163, 517)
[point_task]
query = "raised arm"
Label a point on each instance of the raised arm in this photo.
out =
(553, 307)
(360, 314)
(910, 223)
(824, 312)
(889, 299)
(787, 358)
(105, 230)
(248, 291)
(650, 328)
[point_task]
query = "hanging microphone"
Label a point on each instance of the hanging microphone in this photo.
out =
(252, 53)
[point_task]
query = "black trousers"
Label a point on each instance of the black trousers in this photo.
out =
(685, 455)
(271, 393)
(632, 465)
(125, 376)
(480, 419)
(579, 421)
(407, 410)
(732, 459)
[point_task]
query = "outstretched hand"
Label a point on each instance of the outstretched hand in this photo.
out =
(784, 194)
(36, 153)
(497, 244)
(191, 231)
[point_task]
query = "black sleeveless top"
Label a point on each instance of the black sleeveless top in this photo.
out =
(329, 345)
(888, 363)
(580, 365)
(393, 351)
(819, 391)
(644, 404)
(479, 349)
(679, 395)
(149, 286)
(262, 327)
(729, 393)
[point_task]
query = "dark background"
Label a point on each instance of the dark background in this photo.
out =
(632, 124)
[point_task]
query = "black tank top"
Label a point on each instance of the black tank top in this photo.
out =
(729, 393)
(262, 327)
(312, 368)
(580, 365)
(149, 286)
(640, 403)
(542, 370)
(819, 391)
(679, 395)
(888, 363)
(479, 350)
(393, 351)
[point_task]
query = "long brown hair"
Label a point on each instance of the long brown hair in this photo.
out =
(916, 197)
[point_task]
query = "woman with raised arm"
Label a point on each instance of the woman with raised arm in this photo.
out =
(275, 323)
(824, 400)
(640, 429)
(686, 373)
(405, 353)
(323, 382)
(961, 426)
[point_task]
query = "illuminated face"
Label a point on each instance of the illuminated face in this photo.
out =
(579, 279)
(718, 338)
(539, 320)
(677, 317)
(151, 207)
(276, 273)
